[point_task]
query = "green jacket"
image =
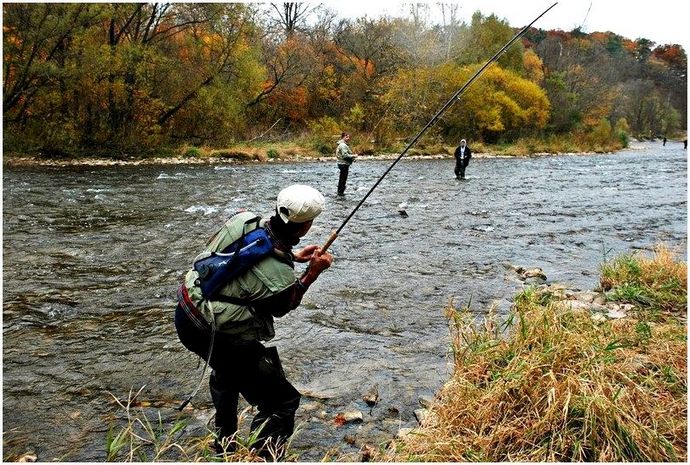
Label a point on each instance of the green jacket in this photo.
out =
(343, 153)
(268, 277)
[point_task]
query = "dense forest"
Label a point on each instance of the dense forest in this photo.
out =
(121, 78)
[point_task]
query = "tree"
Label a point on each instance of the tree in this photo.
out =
(579, 75)
(35, 40)
(289, 64)
(291, 17)
(216, 63)
(485, 36)
(368, 45)
(499, 105)
(368, 48)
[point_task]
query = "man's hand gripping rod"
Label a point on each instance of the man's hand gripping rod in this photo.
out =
(433, 120)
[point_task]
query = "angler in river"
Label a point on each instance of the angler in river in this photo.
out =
(345, 158)
(224, 313)
(462, 159)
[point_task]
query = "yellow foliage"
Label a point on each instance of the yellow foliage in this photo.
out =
(500, 100)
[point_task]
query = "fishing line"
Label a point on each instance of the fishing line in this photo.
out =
(431, 122)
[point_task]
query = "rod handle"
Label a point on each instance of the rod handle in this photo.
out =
(330, 240)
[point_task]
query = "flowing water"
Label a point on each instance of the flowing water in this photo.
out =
(93, 255)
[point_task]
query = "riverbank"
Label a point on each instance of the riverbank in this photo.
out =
(16, 160)
(291, 153)
(567, 377)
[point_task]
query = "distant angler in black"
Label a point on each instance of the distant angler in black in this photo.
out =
(462, 159)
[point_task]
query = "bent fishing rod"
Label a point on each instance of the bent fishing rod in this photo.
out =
(431, 122)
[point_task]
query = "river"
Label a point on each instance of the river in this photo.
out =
(92, 257)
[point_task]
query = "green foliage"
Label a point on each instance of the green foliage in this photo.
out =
(568, 115)
(622, 131)
(324, 134)
(601, 134)
(486, 36)
(192, 152)
(323, 148)
(272, 153)
(355, 120)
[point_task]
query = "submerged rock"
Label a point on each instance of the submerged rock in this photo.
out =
(425, 401)
(536, 273)
(527, 275)
(353, 416)
(372, 396)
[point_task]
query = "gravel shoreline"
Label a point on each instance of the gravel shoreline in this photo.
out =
(27, 160)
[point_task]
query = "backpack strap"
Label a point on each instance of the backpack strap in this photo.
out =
(232, 300)
(256, 220)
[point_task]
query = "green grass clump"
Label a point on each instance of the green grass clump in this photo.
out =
(552, 384)
(656, 284)
(193, 152)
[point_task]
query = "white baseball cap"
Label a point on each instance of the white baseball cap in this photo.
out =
(299, 203)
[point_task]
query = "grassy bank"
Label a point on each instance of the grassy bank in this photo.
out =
(306, 149)
(550, 383)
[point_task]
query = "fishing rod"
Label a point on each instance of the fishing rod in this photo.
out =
(433, 120)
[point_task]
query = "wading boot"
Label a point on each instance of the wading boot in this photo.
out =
(223, 446)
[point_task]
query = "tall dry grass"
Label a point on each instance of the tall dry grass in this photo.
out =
(550, 384)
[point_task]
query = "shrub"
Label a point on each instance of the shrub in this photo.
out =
(622, 130)
(356, 118)
(324, 132)
(272, 153)
(233, 154)
(324, 149)
(192, 152)
(601, 134)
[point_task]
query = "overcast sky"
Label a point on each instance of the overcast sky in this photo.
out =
(661, 21)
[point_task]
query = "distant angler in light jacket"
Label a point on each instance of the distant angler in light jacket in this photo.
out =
(345, 158)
